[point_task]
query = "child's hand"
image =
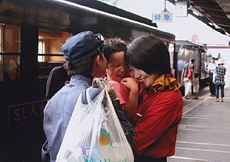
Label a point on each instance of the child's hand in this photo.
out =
(130, 83)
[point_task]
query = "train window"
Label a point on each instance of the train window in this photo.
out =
(49, 50)
(50, 42)
(10, 38)
(10, 48)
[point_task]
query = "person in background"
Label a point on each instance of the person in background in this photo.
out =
(219, 81)
(118, 74)
(211, 68)
(187, 82)
(12, 69)
(160, 101)
(57, 79)
(180, 66)
(196, 85)
(85, 57)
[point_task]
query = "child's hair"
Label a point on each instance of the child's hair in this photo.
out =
(114, 45)
(196, 75)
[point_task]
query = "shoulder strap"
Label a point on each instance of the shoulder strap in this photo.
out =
(187, 66)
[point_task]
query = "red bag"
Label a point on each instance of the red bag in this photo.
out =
(189, 75)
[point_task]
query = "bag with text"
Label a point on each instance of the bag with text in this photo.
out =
(94, 133)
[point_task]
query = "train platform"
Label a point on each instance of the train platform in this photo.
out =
(203, 134)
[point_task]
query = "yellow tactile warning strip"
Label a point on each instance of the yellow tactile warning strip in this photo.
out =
(195, 103)
(219, 97)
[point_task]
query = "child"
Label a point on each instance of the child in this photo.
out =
(118, 74)
(196, 85)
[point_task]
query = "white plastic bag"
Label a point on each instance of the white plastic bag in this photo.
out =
(214, 77)
(94, 133)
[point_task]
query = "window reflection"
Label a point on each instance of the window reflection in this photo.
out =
(9, 67)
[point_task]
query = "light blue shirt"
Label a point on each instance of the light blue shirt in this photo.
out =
(58, 111)
(180, 65)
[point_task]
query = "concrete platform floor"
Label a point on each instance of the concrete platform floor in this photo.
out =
(204, 132)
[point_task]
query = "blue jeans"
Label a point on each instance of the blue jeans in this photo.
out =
(217, 90)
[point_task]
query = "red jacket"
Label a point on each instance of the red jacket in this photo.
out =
(156, 124)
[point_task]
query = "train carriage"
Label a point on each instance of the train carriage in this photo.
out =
(31, 35)
(186, 50)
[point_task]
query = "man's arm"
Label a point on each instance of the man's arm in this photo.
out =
(182, 74)
(126, 125)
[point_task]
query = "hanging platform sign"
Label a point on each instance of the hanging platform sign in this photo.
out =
(161, 17)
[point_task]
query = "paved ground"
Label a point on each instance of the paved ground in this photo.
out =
(204, 131)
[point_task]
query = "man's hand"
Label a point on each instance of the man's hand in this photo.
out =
(110, 89)
(98, 83)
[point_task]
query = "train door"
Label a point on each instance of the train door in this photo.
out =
(27, 54)
(10, 68)
(19, 107)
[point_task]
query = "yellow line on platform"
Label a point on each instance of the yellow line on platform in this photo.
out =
(219, 97)
(195, 103)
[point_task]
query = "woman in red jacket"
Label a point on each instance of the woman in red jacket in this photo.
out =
(160, 102)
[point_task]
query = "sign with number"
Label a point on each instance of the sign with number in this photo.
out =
(162, 17)
(181, 9)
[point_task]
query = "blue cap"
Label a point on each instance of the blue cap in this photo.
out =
(81, 46)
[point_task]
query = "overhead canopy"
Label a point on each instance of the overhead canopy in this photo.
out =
(113, 10)
(214, 13)
(180, 43)
(188, 43)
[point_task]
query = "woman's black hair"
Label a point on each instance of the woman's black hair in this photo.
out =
(149, 54)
